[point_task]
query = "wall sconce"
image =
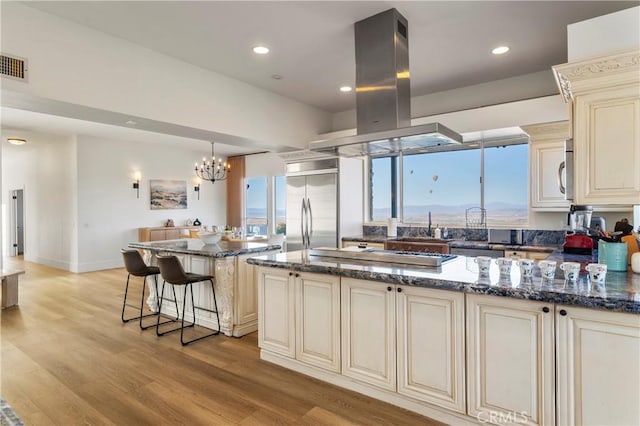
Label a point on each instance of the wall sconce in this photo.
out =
(136, 184)
(196, 185)
(16, 141)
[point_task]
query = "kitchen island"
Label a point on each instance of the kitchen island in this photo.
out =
(234, 280)
(454, 347)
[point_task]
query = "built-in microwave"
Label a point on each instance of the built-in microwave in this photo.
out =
(567, 165)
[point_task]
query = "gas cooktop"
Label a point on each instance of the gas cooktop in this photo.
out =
(385, 256)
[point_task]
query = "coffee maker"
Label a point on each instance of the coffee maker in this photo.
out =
(577, 240)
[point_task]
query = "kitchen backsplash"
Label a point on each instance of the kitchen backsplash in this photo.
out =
(530, 237)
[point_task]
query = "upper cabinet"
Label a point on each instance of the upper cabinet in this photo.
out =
(605, 92)
(546, 162)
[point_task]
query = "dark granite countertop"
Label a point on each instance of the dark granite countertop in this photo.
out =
(621, 291)
(197, 247)
(483, 245)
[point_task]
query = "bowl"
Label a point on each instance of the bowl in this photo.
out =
(210, 237)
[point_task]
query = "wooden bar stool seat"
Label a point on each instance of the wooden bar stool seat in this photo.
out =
(173, 273)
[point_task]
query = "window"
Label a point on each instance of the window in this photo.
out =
(506, 185)
(256, 206)
(265, 204)
(447, 183)
(443, 183)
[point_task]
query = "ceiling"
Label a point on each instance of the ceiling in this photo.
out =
(312, 48)
(312, 45)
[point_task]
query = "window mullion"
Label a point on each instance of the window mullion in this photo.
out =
(400, 188)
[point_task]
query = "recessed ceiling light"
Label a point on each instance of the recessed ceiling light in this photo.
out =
(16, 141)
(500, 50)
(346, 89)
(276, 77)
(131, 123)
(261, 50)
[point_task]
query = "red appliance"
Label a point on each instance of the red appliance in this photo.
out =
(578, 244)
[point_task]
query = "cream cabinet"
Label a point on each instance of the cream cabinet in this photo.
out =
(363, 244)
(318, 320)
(246, 300)
(431, 347)
(276, 312)
(299, 316)
(598, 367)
(605, 92)
(547, 165)
(369, 332)
(510, 361)
(405, 339)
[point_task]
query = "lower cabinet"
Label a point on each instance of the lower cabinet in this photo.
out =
(405, 339)
(431, 347)
(318, 320)
(246, 309)
(510, 360)
(299, 316)
(598, 367)
(369, 332)
(276, 311)
(496, 360)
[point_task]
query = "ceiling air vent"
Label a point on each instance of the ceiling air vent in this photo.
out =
(14, 67)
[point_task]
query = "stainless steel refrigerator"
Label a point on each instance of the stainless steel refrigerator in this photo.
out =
(319, 193)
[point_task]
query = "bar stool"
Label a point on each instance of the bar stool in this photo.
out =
(173, 273)
(135, 266)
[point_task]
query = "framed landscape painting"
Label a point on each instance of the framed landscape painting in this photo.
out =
(168, 194)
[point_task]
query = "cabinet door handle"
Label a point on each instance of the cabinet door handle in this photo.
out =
(399, 290)
(297, 275)
(290, 273)
(389, 288)
(545, 309)
(560, 185)
(563, 312)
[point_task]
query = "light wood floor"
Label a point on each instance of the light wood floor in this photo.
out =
(67, 359)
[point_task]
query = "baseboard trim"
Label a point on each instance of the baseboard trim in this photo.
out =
(241, 329)
(390, 397)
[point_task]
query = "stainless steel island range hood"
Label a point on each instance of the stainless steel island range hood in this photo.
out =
(383, 96)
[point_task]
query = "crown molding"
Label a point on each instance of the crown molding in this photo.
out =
(618, 68)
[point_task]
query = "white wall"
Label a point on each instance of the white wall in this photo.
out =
(512, 114)
(45, 168)
(471, 98)
(80, 207)
(72, 63)
(604, 34)
(109, 212)
(267, 164)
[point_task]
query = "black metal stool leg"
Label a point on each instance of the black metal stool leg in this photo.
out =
(124, 302)
(158, 305)
(194, 317)
(177, 312)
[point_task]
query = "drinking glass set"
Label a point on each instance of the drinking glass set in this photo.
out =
(597, 271)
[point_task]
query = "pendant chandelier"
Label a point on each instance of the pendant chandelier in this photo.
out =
(210, 171)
